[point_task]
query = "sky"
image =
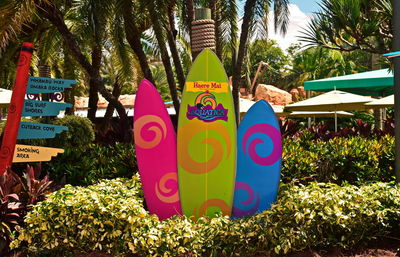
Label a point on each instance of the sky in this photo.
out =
(301, 12)
(307, 6)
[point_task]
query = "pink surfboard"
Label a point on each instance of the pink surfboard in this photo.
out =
(155, 142)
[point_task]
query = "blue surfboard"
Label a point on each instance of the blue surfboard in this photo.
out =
(259, 157)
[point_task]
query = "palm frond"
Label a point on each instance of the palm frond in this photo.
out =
(15, 14)
(281, 15)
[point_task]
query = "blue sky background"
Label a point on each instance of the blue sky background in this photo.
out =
(307, 6)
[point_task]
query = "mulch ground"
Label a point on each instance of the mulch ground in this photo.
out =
(377, 248)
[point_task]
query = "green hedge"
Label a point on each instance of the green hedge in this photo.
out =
(86, 166)
(355, 160)
(110, 217)
(79, 135)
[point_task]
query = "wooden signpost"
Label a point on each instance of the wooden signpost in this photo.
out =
(15, 109)
(15, 129)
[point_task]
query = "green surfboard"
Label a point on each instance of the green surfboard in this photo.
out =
(206, 140)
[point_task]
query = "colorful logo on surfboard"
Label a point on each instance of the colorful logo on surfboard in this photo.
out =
(206, 109)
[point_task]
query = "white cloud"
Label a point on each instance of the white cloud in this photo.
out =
(298, 20)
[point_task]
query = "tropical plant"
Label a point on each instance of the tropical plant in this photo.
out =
(269, 52)
(318, 62)
(33, 187)
(349, 25)
(17, 196)
(10, 209)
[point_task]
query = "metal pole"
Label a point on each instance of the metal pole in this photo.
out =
(308, 92)
(335, 121)
(396, 61)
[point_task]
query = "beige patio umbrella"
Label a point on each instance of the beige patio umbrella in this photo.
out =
(332, 101)
(319, 114)
(387, 101)
(245, 105)
(5, 97)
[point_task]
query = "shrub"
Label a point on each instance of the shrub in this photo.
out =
(110, 217)
(80, 133)
(325, 131)
(88, 165)
(355, 160)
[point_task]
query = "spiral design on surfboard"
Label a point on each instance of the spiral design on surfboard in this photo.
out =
(252, 201)
(165, 193)
(149, 131)
(219, 203)
(249, 148)
(221, 146)
(206, 98)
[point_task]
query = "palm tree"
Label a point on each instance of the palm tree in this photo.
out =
(171, 36)
(155, 10)
(256, 11)
(50, 11)
(135, 23)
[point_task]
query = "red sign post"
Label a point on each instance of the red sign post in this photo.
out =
(16, 106)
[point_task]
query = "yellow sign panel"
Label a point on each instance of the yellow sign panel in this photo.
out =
(210, 86)
(30, 153)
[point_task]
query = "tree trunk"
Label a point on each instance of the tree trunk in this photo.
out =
(378, 113)
(69, 73)
(190, 15)
(248, 14)
(133, 37)
(215, 15)
(164, 55)
(110, 108)
(49, 10)
(93, 87)
(171, 35)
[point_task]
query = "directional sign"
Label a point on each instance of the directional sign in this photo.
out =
(43, 108)
(30, 130)
(38, 85)
(392, 54)
(30, 153)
